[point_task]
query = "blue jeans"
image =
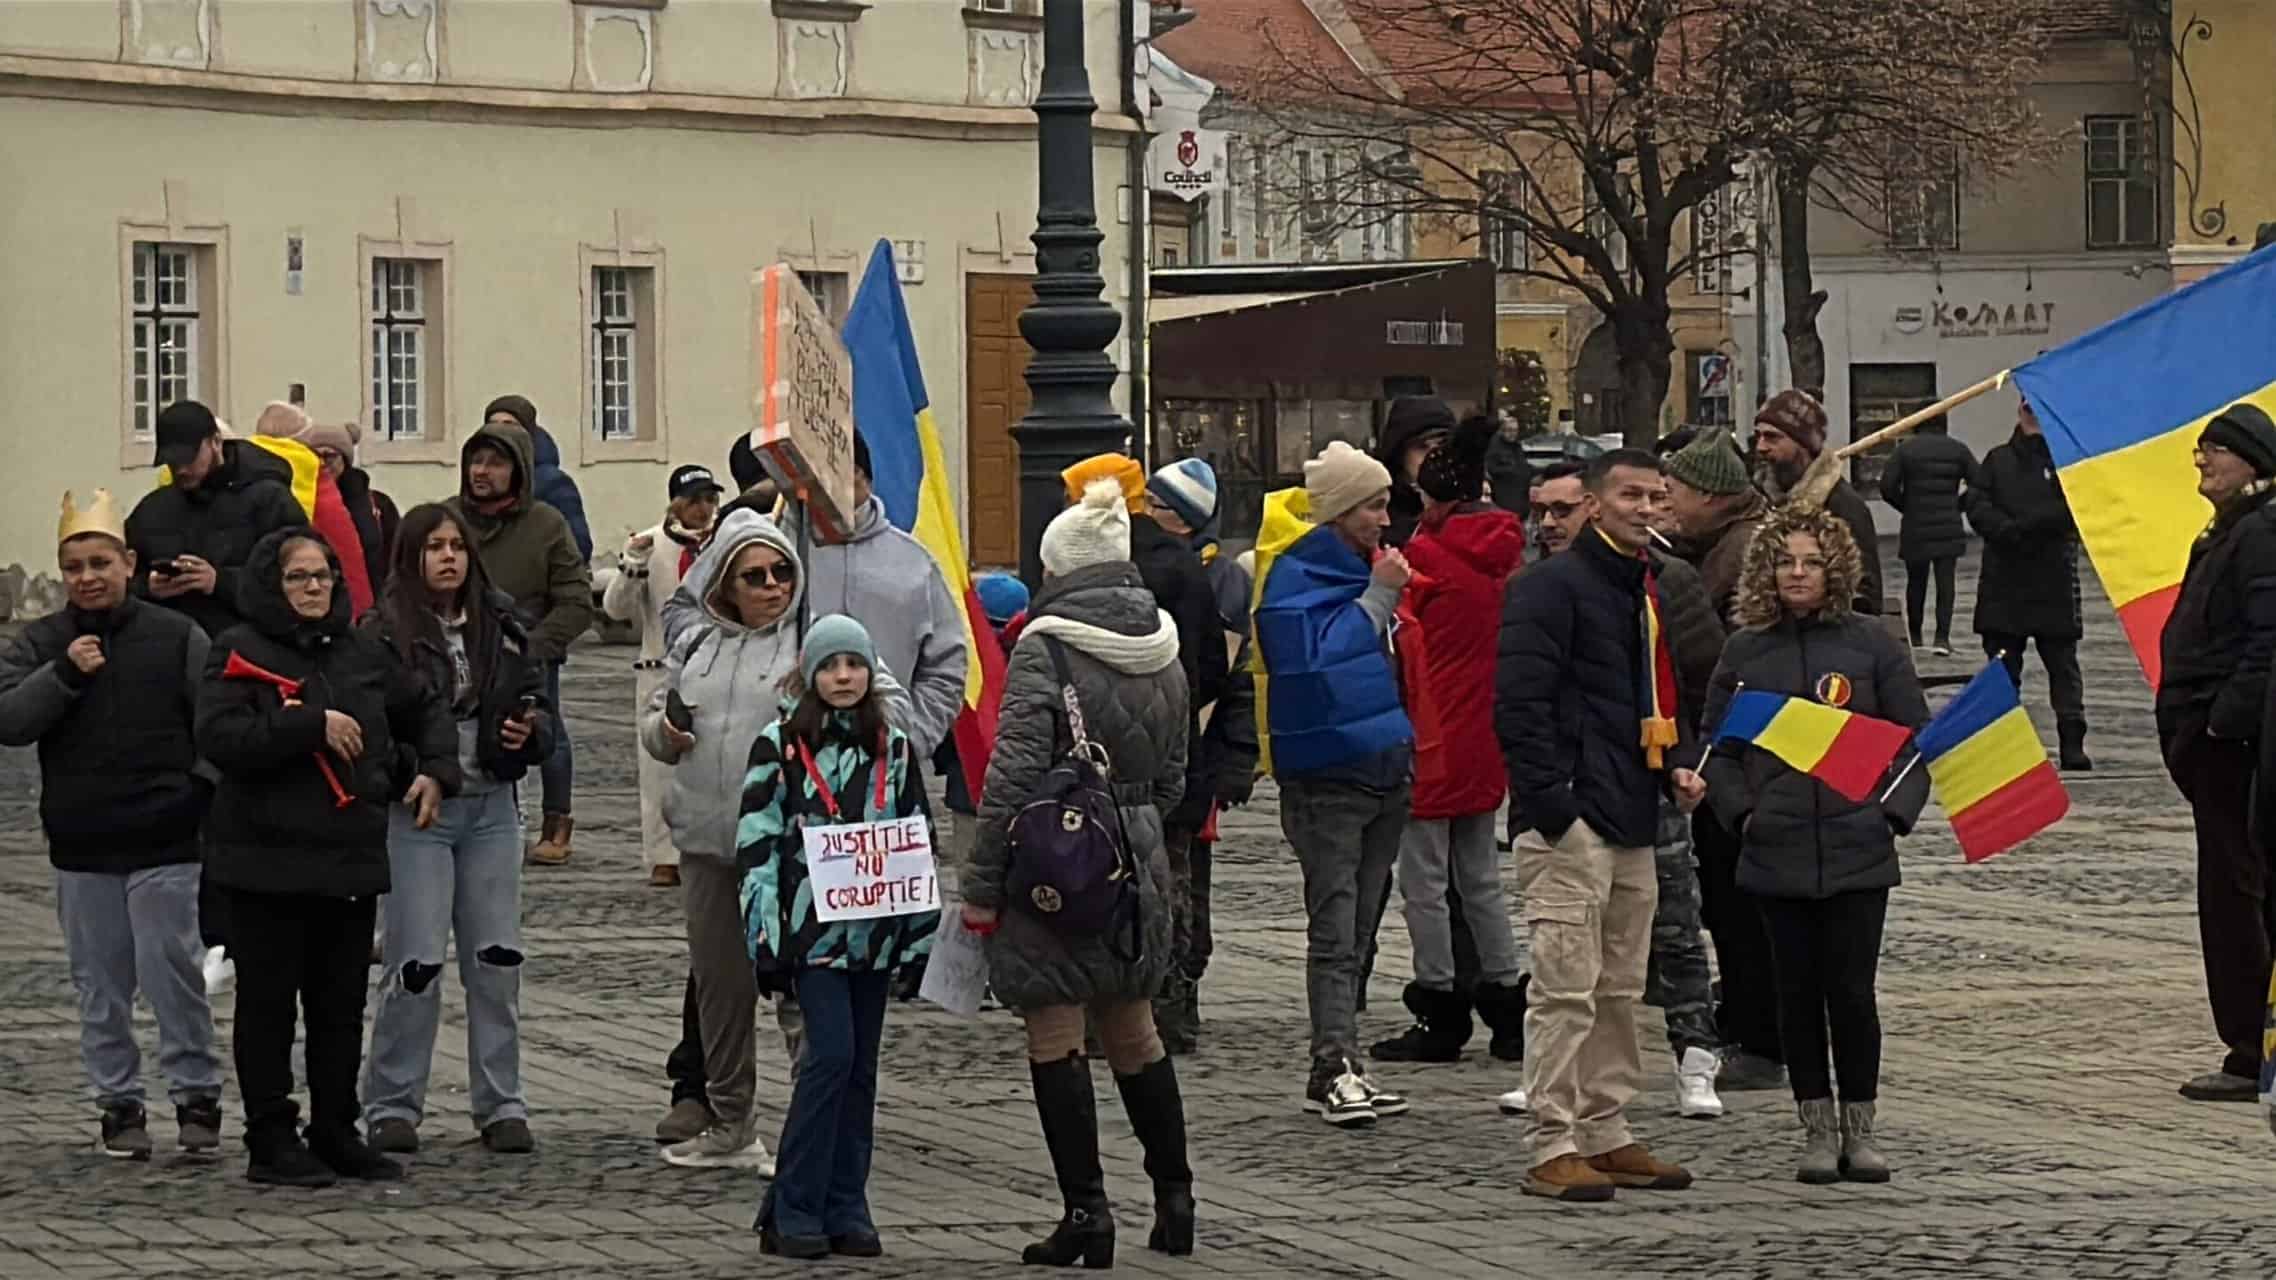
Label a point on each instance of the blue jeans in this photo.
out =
(461, 876)
(557, 777)
(129, 931)
(821, 1168)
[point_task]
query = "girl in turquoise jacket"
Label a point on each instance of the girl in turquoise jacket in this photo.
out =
(832, 760)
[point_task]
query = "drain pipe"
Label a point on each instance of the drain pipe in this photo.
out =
(1140, 212)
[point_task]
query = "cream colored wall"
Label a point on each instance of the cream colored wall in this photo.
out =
(519, 190)
(515, 203)
(2236, 101)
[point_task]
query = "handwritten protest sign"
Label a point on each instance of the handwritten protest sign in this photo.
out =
(956, 972)
(863, 870)
(802, 399)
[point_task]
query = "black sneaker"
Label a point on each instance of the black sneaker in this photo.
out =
(200, 1124)
(343, 1151)
(1337, 1096)
(509, 1137)
(285, 1161)
(126, 1132)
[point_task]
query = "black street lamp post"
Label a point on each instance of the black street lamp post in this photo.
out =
(1070, 324)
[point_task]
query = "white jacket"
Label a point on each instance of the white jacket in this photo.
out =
(641, 586)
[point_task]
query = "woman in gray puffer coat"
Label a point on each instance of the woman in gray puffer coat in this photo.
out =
(1819, 865)
(1122, 659)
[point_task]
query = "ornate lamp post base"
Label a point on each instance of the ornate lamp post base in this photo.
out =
(1070, 325)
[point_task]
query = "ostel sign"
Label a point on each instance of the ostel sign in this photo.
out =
(1189, 163)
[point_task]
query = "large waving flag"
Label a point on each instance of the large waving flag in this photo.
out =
(1989, 768)
(1842, 749)
(2122, 408)
(910, 475)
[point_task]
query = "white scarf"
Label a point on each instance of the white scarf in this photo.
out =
(1131, 655)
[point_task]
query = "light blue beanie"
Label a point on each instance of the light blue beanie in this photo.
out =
(831, 636)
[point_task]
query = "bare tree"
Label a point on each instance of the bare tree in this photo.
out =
(1884, 114)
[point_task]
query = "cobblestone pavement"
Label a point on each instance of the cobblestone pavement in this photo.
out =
(2040, 1010)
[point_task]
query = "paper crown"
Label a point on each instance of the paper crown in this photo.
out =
(100, 516)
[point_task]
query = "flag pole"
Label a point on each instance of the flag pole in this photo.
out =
(1902, 774)
(1825, 471)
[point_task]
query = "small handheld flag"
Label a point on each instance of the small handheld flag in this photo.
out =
(1846, 751)
(1989, 768)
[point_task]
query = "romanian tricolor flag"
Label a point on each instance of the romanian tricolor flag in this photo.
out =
(1842, 749)
(1989, 768)
(2122, 408)
(910, 475)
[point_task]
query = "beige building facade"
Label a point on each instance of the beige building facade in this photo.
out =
(399, 209)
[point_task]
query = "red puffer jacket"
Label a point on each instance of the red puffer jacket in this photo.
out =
(1463, 558)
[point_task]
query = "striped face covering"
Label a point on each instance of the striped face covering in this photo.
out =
(1658, 675)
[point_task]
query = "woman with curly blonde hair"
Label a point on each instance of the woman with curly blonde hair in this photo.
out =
(1820, 866)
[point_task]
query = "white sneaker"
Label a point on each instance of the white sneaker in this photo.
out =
(1342, 1102)
(723, 1147)
(220, 973)
(1380, 1100)
(1695, 1085)
(1513, 1102)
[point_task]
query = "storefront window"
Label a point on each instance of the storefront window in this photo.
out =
(1222, 433)
(1306, 426)
(1879, 394)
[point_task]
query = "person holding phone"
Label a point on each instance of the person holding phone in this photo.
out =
(318, 731)
(461, 874)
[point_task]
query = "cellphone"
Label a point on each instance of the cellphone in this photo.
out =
(525, 707)
(166, 568)
(677, 713)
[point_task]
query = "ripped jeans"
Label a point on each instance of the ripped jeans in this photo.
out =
(460, 877)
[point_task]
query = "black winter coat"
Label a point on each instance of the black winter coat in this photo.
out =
(1923, 482)
(375, 519)
(2219, 638)
(2029, 585)
(512, 676)
(1174, 575)
(1694, 633)
(1570, 700)
(276, 826)
(1850, 507)
(1801, 838)
(247, 497)
(120, 785)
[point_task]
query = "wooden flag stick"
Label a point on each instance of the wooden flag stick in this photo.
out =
(1825, 471)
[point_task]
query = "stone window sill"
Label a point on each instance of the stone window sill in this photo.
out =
(998, 20)
(820, 10)
(621, 4)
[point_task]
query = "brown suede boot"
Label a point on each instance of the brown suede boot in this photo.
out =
(1568, 1177)
(552, 847)
(1634, 1166)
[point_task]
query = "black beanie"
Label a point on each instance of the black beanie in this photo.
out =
(1456, 470)
(743, 464)
(2245, 431)
(861, 458)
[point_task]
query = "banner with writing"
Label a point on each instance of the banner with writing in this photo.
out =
(863, 870)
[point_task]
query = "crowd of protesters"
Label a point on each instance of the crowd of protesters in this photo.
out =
(277, 714)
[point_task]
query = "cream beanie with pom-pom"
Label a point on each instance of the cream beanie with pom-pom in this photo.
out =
(1096, 530)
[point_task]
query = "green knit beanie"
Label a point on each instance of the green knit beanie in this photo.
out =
(1711, 464)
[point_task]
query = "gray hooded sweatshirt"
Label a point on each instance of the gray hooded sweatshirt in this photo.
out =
(885, 580)
(732, 676)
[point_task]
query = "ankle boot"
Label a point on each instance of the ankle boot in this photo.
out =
(1502, 1009)
(552, 847)
(1442, 1026)
(1069, 1110)
(1861, 1161)
(1821, 1144)
(2071, 735)
(1158, 1114)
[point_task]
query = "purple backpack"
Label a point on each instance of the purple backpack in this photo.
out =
(1071, 865)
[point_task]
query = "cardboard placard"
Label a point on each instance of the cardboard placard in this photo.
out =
(956, 970)
(802, 399)
(864, 870)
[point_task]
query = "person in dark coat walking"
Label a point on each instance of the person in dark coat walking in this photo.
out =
(1820, 864)
(1413, 427)
(2029, 589)
(1509, 473)
(2212, 703)
(1789, 434)
(1095, 620)
(1586, 710)
(1923, 482)
(1173, 573)
(318, 730)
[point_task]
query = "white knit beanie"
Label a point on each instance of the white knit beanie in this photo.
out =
(1095, 530)
(1340, 479)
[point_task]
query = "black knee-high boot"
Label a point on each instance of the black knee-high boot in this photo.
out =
(1069, 1111)
(1158, 1114)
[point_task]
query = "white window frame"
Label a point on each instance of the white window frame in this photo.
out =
(1502, 238)
(200, 306)
(637, 428)
(401, 403)
(384, 439)
(833, 290)
(2131, 170)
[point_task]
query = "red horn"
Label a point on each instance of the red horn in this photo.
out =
(237, 668)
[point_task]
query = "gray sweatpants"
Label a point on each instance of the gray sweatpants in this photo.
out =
(132, 930)
(1433, 852)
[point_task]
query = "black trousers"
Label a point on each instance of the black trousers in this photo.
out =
(1946, 569)
(1827, 955)
(313, 953)
(684, 1068)
(2236, 916)
(2066, 688)
(1747, 1018)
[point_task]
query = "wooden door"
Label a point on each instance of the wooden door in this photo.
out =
(995, 397)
